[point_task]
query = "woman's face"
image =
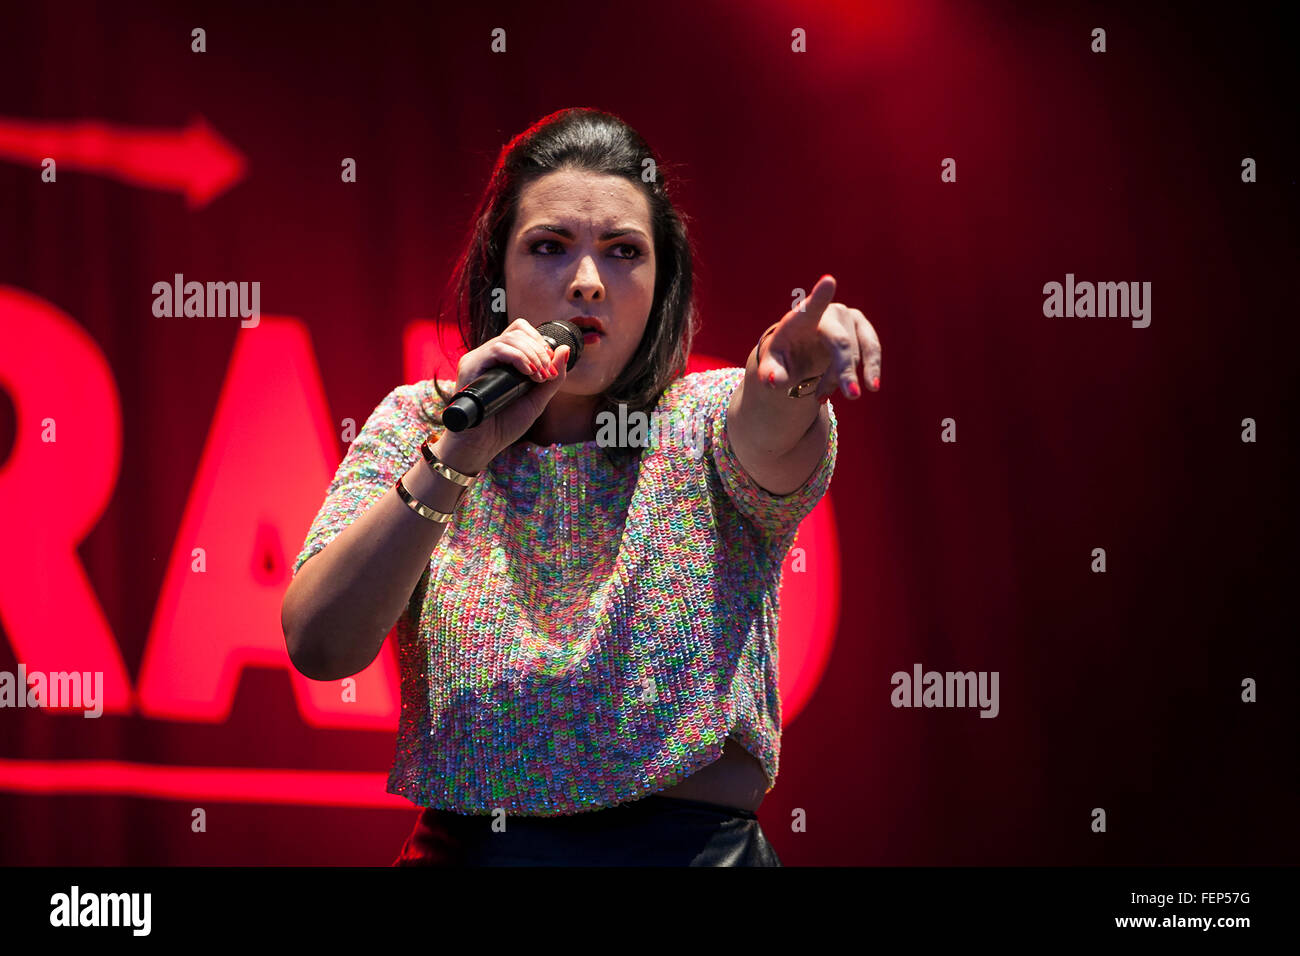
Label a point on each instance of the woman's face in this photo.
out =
(582, 245)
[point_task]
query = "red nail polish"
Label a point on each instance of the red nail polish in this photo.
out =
(771, 378)
(875, 382)
(854, 391)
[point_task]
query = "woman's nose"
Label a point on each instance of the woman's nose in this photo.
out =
(587, 278)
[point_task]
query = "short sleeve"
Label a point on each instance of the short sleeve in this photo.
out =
(777, 516)
(384, 450)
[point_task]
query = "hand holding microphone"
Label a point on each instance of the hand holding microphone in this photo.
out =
(503, 386)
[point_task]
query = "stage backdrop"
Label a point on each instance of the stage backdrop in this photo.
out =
(1094, 511)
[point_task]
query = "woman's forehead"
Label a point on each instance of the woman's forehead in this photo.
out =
(570, 198)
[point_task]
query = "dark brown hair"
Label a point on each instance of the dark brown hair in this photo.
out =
(586, 140)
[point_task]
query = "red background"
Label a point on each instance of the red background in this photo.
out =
(1118, 690)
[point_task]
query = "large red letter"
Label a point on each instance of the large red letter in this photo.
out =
(54, 370)
(268, 461)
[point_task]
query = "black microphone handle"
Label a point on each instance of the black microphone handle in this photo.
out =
(486, 395)
(500, 385)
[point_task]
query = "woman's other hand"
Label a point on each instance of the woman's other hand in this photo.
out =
(821, 339)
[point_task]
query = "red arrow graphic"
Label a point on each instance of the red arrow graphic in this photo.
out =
(195, 160)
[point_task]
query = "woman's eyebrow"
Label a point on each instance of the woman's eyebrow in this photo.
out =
(568, 233)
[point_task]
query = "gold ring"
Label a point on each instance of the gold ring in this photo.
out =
(804, 387)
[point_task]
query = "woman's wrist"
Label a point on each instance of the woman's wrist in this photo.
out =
(432, 489)
(460, 454)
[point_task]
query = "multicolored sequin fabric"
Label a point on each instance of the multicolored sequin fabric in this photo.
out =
(588, 631)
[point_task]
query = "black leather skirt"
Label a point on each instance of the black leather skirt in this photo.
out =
(652, 831)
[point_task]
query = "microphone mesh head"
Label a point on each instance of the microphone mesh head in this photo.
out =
(564, 332)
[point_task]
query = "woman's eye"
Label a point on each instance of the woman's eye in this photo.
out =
(636, 253)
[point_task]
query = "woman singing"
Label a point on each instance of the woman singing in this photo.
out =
(586, 616)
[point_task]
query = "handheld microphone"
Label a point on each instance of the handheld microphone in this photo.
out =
(502, 384)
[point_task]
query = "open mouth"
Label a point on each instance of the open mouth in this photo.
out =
(593, 329)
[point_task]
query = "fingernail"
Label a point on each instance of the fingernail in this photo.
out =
(854, 390)
(825, 399)
(875, 382)
(771, 378)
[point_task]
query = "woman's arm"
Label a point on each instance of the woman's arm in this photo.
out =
(779, 440)
(344, 600)
(348, 592)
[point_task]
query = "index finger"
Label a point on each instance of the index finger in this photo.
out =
(533, 333)
(814, 304)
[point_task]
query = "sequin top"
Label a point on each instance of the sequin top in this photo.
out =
(587, 632)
